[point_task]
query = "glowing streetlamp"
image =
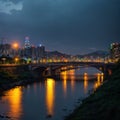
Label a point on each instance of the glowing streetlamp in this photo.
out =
(15, 47)
(3, 59)
(16, 60)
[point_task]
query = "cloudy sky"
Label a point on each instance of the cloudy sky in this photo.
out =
(69, 26)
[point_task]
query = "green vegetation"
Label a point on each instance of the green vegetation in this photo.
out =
(104, 104)
(9, 80)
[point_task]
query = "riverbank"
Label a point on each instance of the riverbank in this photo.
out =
(103, 104)
(8, 80)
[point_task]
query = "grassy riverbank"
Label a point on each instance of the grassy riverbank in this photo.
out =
(103, 104)
(8, 80)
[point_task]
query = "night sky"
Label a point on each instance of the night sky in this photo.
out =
(69, 26)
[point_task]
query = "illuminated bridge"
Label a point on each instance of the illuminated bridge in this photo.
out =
(54, 68)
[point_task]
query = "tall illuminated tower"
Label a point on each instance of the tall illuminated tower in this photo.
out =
(27, 42)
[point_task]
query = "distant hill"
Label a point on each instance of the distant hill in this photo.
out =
(95, 54)
(57, 54)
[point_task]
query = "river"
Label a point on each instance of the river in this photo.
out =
(51, 99)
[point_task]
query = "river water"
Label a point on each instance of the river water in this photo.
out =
(50, 99)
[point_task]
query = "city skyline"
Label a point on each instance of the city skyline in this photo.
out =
(69, 26)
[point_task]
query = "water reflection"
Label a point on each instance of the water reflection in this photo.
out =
(64, 78)
(85, 82)
(13, 98)
(40, 99)
(68, 75)
(50, 95)
(100, 77)
(72, 78)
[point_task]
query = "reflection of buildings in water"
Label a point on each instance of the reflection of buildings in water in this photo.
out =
(65, 86)
(100, 78)
(68, 75)
(13, 98)
(50, 92)
(85, 82)
(72, 78)
(85, 76)
(64, 78)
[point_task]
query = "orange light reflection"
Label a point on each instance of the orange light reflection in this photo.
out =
(64, 77)
(99, 81)
(50, 84)
(85, 82)
(14, 97)
(72, 78)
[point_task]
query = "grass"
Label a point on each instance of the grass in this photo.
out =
(9, 80)
(104, 104)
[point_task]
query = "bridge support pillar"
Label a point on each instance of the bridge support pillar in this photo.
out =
(48, 72)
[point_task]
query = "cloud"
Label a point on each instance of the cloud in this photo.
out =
(9, 6)
(72, 26)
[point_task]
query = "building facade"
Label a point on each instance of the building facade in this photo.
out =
(115, 51)
(40, 51)
(5, 49)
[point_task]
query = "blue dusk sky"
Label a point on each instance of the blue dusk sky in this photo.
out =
(69, 26)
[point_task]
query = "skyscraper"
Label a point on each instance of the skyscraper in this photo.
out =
(41, 51)
(27, 42)
(5, 48)
(115, 51)
(27, 46)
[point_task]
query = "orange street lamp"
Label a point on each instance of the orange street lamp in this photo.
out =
(16, 60)
(15, 45)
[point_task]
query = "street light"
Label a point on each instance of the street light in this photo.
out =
(15, 47)
(16, 60)
(3, 59)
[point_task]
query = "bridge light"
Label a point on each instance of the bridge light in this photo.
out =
(98, 74)
(102, 74)
(16, 60)
(85, 74)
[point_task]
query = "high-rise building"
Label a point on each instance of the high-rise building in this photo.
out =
(27, 46)
(5, 48)
(27, 42)
(33, 52)
(40, 51)
(115, 51)
(27, 52)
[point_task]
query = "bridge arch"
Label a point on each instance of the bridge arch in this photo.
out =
(49, 69)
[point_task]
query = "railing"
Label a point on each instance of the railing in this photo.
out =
(59, 63)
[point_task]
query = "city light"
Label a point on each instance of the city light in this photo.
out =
(16, 59)
(15, 45)
(38, 54)
(50, 89)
